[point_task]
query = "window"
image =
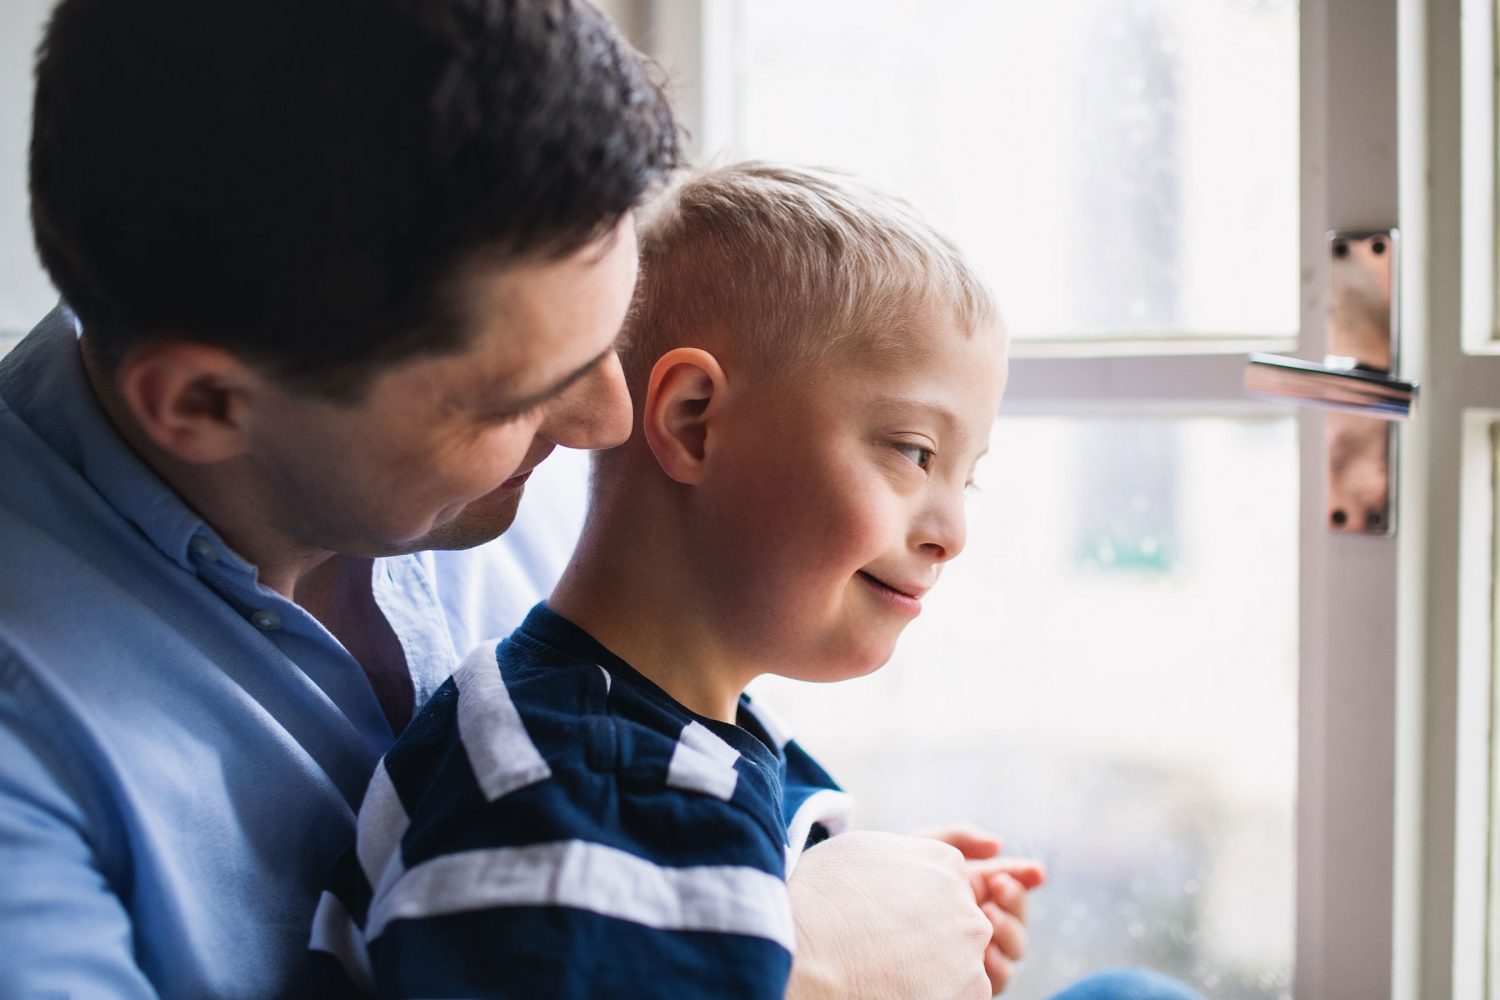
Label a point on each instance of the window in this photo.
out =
(1114, 169)
(1188, 255)
(1492, 861)
(1109, 676)
(1480, 178)
(25, 292)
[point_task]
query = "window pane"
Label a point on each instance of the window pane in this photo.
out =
(1115, 169)
(1481, 40)
(1492, 930)
(1480, 138)
(26, 294)
(1107, 677)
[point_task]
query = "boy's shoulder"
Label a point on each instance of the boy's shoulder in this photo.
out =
(544, 773)
(530, 738)
(532, 803)
(533, 758)
(543, 695)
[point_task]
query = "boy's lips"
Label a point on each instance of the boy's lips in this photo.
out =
(912, 590)
(905, 596)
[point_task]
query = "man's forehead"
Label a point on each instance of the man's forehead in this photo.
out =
(537, 325)
(504, 282)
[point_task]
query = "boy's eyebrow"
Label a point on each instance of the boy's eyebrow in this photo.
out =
(941, 410)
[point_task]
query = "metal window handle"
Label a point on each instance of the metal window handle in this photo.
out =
(1359, 379)
(1339, 383)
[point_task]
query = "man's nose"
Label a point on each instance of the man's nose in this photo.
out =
(594, 412)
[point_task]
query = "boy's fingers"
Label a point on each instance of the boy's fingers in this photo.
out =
(972, 842)
(980, 883)
(998, 969)
(1010, 933)
(1008, 894)
(1028, 871)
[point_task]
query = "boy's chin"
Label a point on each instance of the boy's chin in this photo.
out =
(845, 670)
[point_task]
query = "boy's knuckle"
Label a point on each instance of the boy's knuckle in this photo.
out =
(979, 930)
(948, 856)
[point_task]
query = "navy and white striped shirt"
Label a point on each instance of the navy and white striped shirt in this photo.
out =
(553, 824)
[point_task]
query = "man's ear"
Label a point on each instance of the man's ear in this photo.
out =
(683, 397)
(191, 400)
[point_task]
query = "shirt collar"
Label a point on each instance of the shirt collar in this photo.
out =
(44, 383)
(750, 737)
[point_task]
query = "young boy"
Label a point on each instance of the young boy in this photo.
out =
(595, 808)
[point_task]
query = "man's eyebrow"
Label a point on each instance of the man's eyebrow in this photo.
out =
(558, 388)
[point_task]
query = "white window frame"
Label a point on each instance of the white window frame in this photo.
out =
(1447, 611)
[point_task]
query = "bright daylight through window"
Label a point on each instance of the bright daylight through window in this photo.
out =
(1108, 676)
(1114, 169)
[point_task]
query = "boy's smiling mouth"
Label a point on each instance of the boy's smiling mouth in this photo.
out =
(906, 597)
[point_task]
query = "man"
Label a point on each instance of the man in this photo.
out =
(340, 273)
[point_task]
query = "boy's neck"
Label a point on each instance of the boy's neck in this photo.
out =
(632, 597)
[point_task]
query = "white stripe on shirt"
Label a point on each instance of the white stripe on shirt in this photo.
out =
(382, 824)
(726, 899)
(334, 932)
(829, 806)
(702, 762)
(501, 753)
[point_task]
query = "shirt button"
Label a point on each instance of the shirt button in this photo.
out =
(266, 621)
(203, 548)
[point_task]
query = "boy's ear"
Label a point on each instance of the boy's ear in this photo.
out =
(191, 400)
(681, 401)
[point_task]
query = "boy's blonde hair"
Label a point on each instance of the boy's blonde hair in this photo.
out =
(794, 264)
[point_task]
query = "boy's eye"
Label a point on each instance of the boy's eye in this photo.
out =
(920, 456)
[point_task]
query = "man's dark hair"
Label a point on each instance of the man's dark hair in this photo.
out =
(303, 181)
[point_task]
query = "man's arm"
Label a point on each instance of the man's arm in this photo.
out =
(880, 915)
(63, 930)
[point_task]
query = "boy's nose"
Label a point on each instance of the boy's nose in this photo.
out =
(594, 412)
(941, 533)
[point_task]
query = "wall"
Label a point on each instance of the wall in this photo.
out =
(25, 292)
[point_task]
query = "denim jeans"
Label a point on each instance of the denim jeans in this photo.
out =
(1127, 984)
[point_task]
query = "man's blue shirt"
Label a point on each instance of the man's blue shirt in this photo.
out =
(181, 748)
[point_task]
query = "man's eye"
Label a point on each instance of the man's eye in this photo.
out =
(502, 417)
(920, 456)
